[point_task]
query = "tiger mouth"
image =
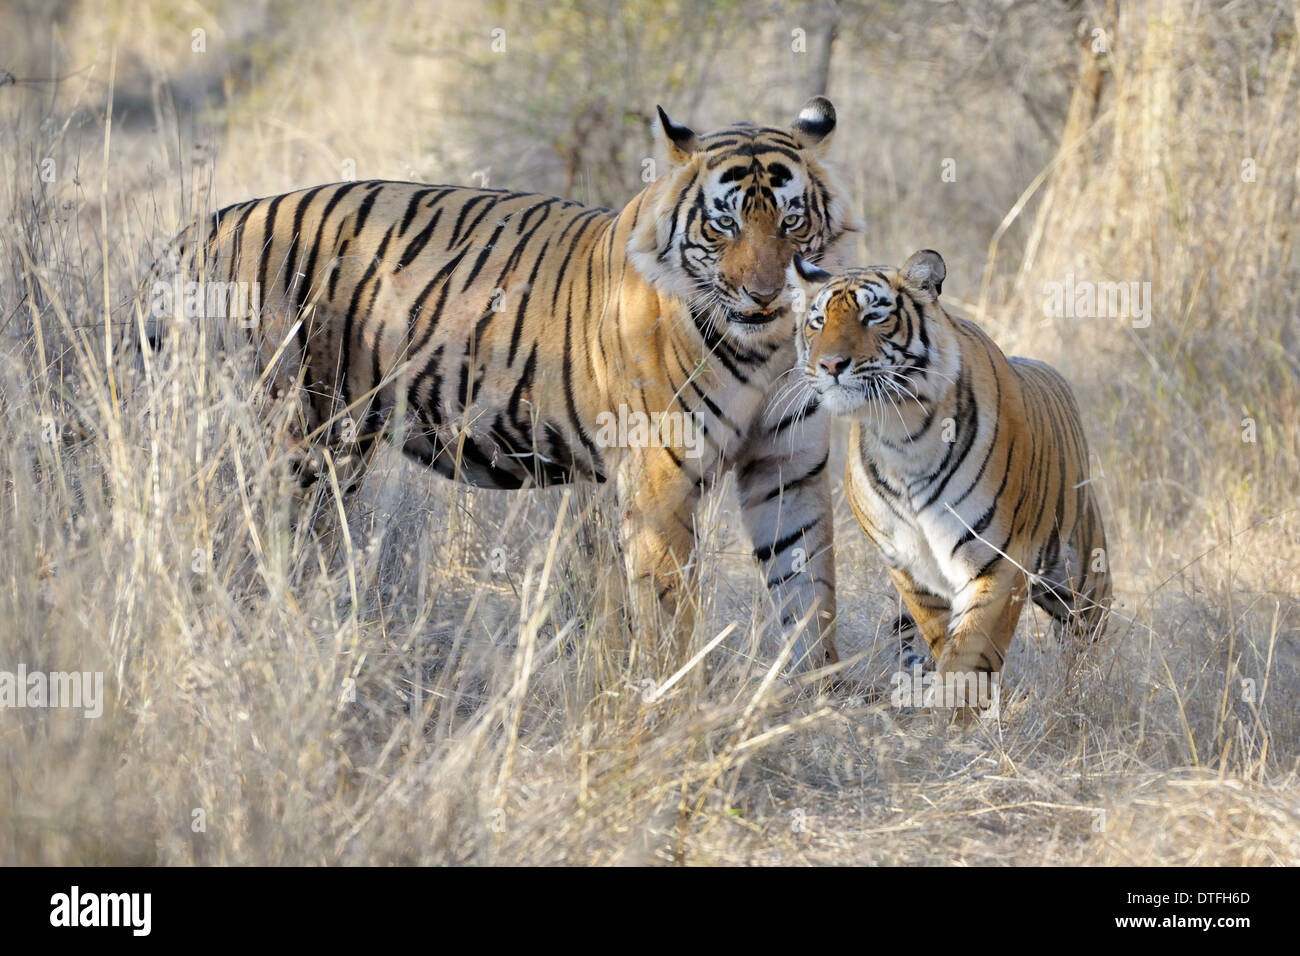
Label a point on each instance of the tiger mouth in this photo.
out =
(842, 398)
(847, 390)
(759, 317)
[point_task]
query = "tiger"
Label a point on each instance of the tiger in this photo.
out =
(966, 468)
(504, 338)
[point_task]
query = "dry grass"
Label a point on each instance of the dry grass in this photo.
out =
(408, 694)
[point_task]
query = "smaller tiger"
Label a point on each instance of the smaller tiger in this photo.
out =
(967, 468)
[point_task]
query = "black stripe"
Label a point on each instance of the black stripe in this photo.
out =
(268, 242)
(415, 245)
(291, 259)
(522, 309)
(566, 376)
(411, 207)
(315, 247)
(349, 318)
(363, 213)
(238, 240)
(779, 546)
(781, 489)
(470, 203)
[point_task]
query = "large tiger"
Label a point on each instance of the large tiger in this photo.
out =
(508, 339)
(968, 469)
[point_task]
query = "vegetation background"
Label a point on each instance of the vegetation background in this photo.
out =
(441, 684)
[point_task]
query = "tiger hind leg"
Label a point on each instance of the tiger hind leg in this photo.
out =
(1077, 600)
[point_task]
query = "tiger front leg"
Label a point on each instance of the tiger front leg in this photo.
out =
(785, 497)
(657, 501)
(983, 622)
(927, 612)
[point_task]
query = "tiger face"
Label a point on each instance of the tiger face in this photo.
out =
(870, 337)
(723, 227)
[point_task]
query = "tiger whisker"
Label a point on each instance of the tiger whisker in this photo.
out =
(929, 371)
(914, 395)
(893, 389)
(784, 399)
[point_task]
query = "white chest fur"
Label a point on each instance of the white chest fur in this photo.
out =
(914, 533)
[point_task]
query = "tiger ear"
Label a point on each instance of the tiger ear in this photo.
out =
(814, 125)
(680, 139)
(923, 274)
(809, 272)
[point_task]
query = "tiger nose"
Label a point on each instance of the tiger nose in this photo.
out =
(764, 299)
(834, 364)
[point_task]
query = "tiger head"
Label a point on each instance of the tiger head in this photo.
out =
(876, 335)
(721, 229)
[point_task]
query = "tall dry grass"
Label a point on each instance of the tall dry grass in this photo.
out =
(450, 680)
